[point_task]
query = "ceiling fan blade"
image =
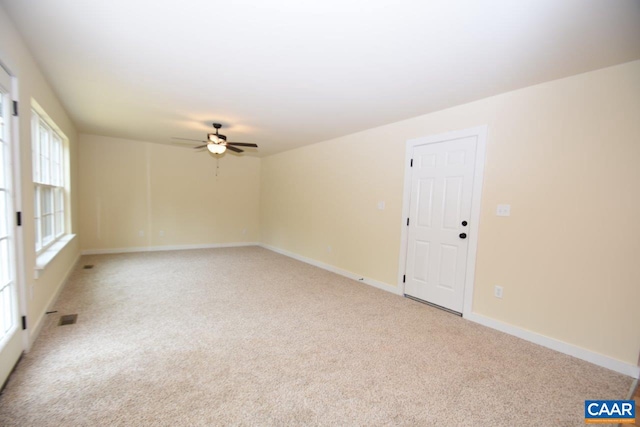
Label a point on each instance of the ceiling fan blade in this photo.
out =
(243, 144)
(187, 139)
(200, 146)
(232, 148)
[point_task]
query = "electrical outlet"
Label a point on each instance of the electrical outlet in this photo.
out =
(381, 205)
(244, 231)
(497, 291)
(161, 233)
(329, 249)
(141, 233)
(503, 210)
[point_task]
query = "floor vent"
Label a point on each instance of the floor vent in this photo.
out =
(88, 267)
(68, 319)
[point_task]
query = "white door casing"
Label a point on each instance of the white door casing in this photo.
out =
(11, 343)
(443, 182)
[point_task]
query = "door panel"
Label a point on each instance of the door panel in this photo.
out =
(441, 193)
(426, 201)
(448, 263)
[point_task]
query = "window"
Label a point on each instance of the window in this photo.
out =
(48, 177)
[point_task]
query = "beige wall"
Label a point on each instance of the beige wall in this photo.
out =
(564, 154)
(32, 85)
(131, 186)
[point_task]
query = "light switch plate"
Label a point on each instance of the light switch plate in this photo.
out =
(503, 210)
(381, 205)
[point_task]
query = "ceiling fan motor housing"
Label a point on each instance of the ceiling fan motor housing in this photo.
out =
(220, 136)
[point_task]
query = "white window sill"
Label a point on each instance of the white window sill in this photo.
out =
(47, 256)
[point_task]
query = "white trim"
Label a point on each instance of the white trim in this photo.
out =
(480, 133)
(40, 322)
(371, 282)
(166, 248)
(557, 345)
(44, 258)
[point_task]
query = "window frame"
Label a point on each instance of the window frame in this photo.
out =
(49, 160)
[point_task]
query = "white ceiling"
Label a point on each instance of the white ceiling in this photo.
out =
(286, 73)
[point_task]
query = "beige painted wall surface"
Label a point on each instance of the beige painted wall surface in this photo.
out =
(128, 187)
(15, 56)
(564, 154)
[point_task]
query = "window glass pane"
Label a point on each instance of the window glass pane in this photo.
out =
(36, 201)
(44, 140)
(59, 223)
(2, 96)
(47, 229)
(60, 199)
(38, 235)
(44, 155)
(36, 149)
(8, 312)
(36, 207)
(5, 303)
(3, 141)
(3, 168)
(47, 201)
(56, 161)
(4, 264)
(55, 152)
(3, 214)
(44, 170)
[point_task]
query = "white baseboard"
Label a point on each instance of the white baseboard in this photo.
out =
(557, 345)
(166, 248)
(333, 269)
(40, 322)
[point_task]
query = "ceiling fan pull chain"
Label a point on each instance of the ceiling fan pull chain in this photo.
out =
(217, 165)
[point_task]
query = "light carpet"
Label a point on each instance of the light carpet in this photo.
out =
(248, 337)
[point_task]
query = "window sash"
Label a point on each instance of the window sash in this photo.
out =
(49, 208)
(48, 159)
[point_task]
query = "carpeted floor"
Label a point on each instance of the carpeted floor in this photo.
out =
(245, 336)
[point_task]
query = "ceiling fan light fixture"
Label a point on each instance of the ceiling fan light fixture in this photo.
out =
(216, 148)
(213, 138)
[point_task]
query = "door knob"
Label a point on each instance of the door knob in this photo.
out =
(464, 223)
(463, 235)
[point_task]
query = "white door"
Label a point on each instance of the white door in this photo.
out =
(442, 175)
(10, 339)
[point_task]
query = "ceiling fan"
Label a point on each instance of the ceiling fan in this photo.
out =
(217, 143)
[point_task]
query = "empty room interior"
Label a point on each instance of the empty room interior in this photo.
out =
(318, 213)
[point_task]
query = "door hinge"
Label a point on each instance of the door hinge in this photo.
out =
(404, 278)
(19, 218)
(411, 165)
(407, 221)
(15, 108)
(24, 323)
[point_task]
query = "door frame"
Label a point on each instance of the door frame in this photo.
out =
(16, 205)
(480, 133)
